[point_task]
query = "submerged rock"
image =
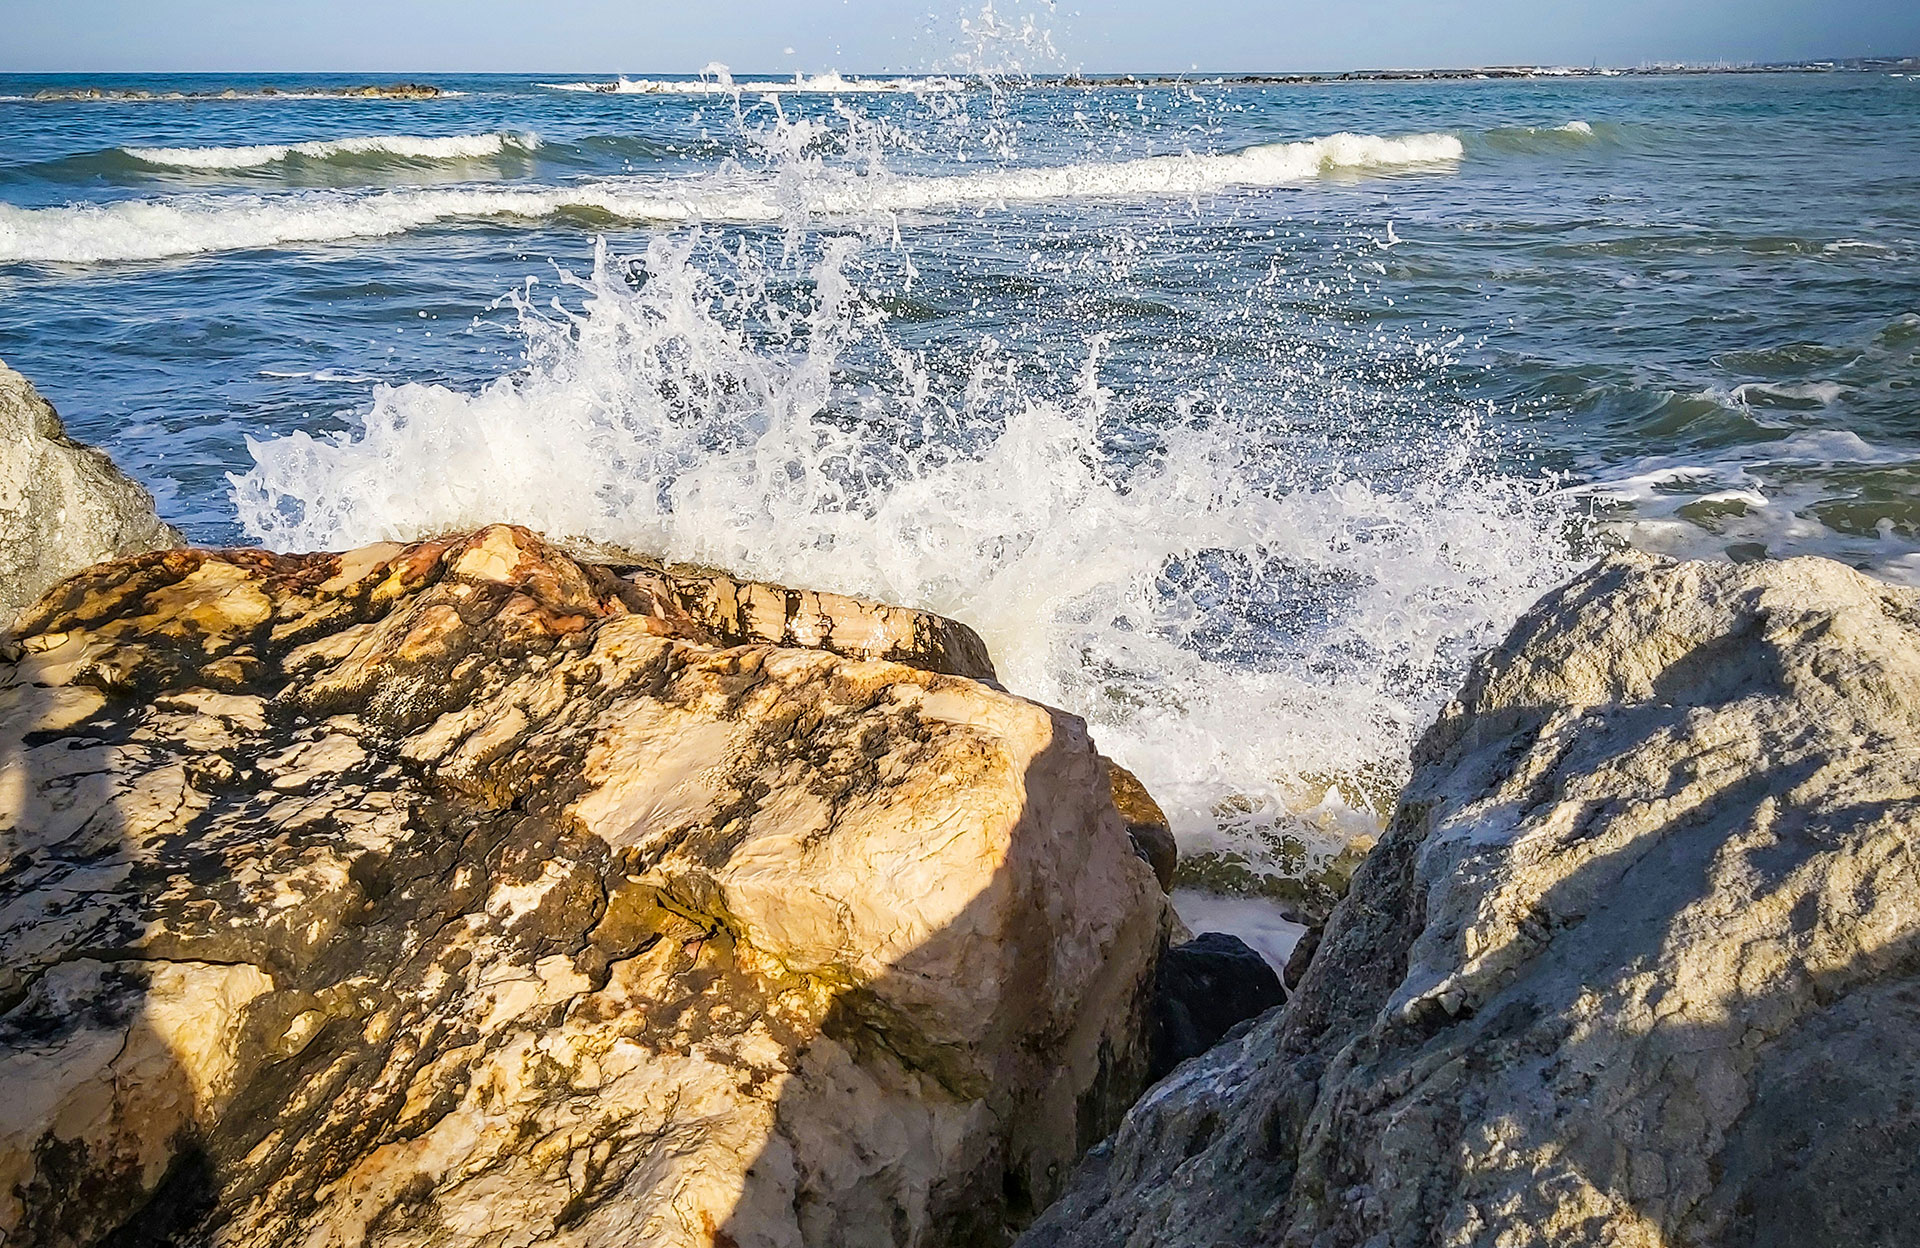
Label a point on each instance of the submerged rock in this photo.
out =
(63, 506)
(1637, 961)
(1204, 989)
(464, 893)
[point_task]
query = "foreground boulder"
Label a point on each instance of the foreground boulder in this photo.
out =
(63, 506)
(1637, 962)
(464, 893)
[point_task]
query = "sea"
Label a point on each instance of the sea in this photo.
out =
(1236, 416)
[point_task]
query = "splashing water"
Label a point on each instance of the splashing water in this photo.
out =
(1255, 626)
(1240, 633)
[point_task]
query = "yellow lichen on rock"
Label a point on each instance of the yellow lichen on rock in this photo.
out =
(446, 891)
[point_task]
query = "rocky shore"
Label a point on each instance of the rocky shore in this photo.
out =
(485, 891)
(402, 895)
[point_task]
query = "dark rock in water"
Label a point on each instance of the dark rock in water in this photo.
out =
(1205, 987)
(1636, 962)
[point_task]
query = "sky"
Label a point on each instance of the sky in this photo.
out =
(784, 36)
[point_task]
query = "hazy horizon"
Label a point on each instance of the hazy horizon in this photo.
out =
(869, 36)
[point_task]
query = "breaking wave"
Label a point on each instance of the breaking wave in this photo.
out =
(189, 225)
(401, 146)
(1249, 633)
(719, 82)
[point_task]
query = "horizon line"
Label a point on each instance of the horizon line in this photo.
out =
(1509, 67)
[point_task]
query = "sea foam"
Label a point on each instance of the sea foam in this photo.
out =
(401, 146)
(192, 224)
(660, 418)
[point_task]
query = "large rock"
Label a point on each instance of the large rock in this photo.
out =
(63, 506)
(1634, 965)
(463, 893)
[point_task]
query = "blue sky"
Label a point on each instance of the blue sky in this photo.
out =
(780, 36)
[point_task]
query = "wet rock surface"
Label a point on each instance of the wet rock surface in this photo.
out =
(467, 893)
(63, 506)
(1634, 964)
(1203, 989)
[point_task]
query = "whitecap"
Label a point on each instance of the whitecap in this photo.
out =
(402, 146)
(721, 83)
(188, 225)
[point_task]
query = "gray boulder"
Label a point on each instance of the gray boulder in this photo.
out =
(1637, 962)
(63, 506)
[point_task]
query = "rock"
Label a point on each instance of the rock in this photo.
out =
(373, 91)
(63, 506)
(463, 893)
(1146, 824)
(726, 612)
(1636, 962)
(396, 91)
(1301, 958)
(1202, 990)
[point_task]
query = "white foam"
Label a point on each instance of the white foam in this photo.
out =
(1764, 495)
(655, 420)
(1255, 920)
(193, 224)
(404, 146)
(325, 374)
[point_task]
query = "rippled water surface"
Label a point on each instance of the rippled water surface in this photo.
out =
(1235, 417)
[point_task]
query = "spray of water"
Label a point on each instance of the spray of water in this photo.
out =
(1256, 593)
(1241, 633)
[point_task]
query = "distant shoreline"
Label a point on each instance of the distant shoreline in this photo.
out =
(414, 88)
(1892, 64)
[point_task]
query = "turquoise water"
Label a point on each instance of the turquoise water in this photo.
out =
(1239, 453)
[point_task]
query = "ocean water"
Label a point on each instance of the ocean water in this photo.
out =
(1235, 418)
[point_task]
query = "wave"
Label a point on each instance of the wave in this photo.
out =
(1812, 492)
(1543, 140)
(402, 146)
(722, 83)
(190, 225)
(1242, 627)
(343, 375)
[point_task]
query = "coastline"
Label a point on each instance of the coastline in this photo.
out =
(433, 849)
(1041, 666)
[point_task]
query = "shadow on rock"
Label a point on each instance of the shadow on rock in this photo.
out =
(1614, 973)
(423, 894)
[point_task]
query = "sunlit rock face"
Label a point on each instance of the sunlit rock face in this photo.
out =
(63, 506)
(467, 892)
(1636, 964)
